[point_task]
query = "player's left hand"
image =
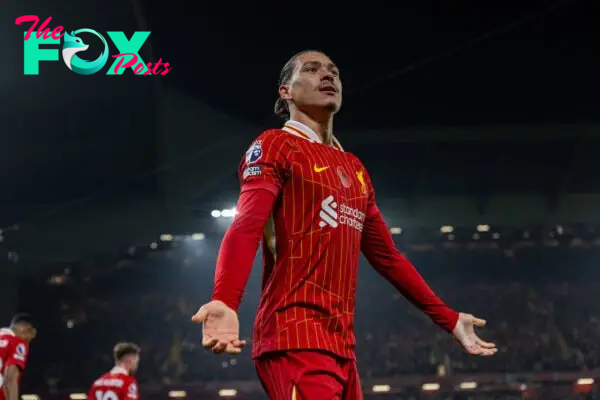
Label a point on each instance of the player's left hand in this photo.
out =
(465, 335)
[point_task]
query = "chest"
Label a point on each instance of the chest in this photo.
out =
(320, 173)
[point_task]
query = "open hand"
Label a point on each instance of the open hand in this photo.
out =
(465, 335)
(220, 328)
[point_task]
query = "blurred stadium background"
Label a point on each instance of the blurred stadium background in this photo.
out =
(116, 193)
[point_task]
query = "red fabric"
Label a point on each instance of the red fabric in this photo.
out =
(114, 385)
(323, 212)
(240, 243)
(13, 351)
(308, 375)
(381, 252)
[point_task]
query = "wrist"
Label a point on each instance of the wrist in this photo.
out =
(228, 301)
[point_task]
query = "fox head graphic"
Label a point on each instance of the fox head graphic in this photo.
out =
(73, 45)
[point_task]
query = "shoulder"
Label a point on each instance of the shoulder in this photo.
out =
(276, 138)
(272, 143)
(131, 388)
(272, 135)
(355, 160)
(21, 347)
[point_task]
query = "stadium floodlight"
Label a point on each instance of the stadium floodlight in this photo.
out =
(468, 385)
(166, 237)
(430, 387)
(447, 229)
(585, 381)
(228, 213)
(381, 388)
(216, 213)
(177, 394)
(483, 228)
(227, 393)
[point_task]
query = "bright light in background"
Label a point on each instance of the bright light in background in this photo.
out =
(226, 213)
(198, 236)
(30, 397)
(396, 231)
(468, 385)
(428, 387)
(585, 381)
(447, 229)
(227, 392)
(177, 394)
(166, 237)
(483, 228)
(78, 396)
(381, 388)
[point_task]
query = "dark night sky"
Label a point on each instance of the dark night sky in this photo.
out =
(97, 131)
(541, 70)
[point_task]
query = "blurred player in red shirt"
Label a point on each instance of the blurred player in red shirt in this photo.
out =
(14, 349)
(119, 383)
(313, 206)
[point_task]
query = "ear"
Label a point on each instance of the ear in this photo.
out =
(285, 92)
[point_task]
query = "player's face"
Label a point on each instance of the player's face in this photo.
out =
(133, 362)
(31, 334)
(26, 331)
(315, 84)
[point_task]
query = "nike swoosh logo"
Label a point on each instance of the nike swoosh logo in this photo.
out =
(319, 169)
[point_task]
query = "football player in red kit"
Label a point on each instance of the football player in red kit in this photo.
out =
(313, 205)
(119, 383)
(14, 349)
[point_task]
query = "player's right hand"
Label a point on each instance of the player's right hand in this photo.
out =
(220, 328)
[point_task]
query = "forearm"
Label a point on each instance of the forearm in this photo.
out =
(11, 383)
(239, 246)
(381, 252)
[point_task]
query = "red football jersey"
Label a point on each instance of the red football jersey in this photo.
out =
(13, 351)
(116, 384)
(312, 242)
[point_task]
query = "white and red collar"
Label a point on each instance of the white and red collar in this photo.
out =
(119, 370)
(301, 130)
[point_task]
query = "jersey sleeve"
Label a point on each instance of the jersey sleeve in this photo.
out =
(18, 354)
(380, 250)
(266, 163)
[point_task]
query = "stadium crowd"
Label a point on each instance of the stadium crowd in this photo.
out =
(538, 299)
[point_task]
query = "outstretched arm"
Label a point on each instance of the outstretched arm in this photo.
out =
(240, 244)
(262, 175)
(381, 252)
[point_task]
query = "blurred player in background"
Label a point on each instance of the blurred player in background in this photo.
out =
(14, 349)
(119, 383)
(316, 206)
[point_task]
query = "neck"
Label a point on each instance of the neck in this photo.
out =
(122, 367)
(324, 127)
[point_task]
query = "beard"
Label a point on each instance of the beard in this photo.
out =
(331, 106)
